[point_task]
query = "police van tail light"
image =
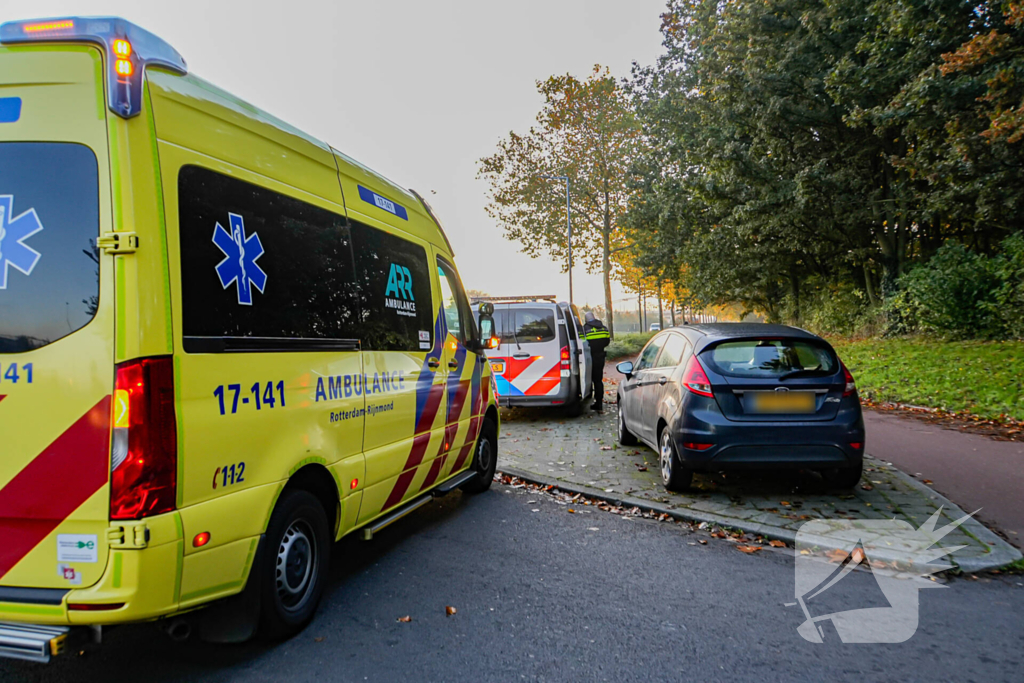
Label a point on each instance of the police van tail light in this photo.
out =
(564, 358)
(128, 50)
(144, 457)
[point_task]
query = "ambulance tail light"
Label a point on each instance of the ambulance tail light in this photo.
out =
(564, 358)
(128, 50)
(144, 457)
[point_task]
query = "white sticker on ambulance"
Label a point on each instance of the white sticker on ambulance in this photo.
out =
(77, 548)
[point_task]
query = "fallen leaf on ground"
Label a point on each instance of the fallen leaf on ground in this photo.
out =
(318, 639)
(748, 548)
(784, 502)
(777, 544)
(702, 542)
(927, 481)
(449, 610)
(641, 468)
(867, 487)
(606, 448)
(405, 620)
(570, 510)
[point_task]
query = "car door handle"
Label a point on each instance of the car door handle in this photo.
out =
(662, 380)
(433, 363)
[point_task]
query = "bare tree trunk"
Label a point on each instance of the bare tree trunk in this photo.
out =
(661, 314)
(673, 312)
(606, 265)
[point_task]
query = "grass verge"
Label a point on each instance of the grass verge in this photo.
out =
(985, 379)
(628, 344)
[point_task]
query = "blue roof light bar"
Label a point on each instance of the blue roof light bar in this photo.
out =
(126, 66)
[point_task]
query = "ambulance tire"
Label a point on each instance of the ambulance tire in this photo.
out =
(294, 568)
(485, 459)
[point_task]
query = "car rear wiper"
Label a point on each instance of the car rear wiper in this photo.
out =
(798, 373)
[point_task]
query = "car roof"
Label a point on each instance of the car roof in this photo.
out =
(705, 334)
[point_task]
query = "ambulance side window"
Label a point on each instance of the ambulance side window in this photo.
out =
(393, 287)
(261, 270)
(456, 310)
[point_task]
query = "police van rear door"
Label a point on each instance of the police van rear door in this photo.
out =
(56, 318)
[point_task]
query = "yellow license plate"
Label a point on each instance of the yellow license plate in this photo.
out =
(784, 402)
(498, 367)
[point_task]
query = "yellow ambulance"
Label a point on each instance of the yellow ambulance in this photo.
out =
(223, 345)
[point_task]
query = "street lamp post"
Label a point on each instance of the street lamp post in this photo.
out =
(568, 223)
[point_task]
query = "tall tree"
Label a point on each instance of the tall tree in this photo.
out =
(585, 131)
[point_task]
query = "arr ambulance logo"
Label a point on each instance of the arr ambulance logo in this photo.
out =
(240, 254)
(13, 233)
(398, 294)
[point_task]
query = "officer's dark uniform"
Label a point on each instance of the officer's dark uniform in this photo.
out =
(598, 336)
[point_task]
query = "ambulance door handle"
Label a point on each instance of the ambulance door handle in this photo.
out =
(520, 355)
(453, 364)
(433, 363)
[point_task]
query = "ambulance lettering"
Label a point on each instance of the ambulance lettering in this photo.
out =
(13, 233)
(347, 386)
(240, 253)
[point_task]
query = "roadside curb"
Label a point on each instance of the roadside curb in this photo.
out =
(1000, 552)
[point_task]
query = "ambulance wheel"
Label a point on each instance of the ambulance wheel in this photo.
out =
(485, 459)
(294, 569)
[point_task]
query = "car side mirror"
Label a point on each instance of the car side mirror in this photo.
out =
(626, 368)
(487, 338)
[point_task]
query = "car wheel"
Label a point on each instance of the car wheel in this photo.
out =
(294, 569)
(626, 437)
(485, 459)
(844, 477)
(673, 474)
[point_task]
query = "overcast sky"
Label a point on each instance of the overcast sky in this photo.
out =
(418, 90)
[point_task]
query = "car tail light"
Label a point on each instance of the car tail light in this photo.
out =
(856, 445)
(564, 358)
(851, 386)
(695, 379)
(697, 446)
(144, 457)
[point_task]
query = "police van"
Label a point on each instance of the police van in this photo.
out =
(223, 346)
(542, 358)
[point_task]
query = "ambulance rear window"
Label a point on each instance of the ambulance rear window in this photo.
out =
(49, 223)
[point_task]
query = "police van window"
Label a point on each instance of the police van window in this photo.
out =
(529, 325)
(49, 223)
(263, 266)
(450, 301)
(394, 291)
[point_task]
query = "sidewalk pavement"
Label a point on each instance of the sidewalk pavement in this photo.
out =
(582, 455)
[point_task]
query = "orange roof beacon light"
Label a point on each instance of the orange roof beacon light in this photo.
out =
(128, 49)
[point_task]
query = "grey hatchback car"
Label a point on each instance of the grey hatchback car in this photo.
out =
(726, 396)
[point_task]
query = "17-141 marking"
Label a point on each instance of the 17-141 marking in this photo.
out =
(14, 373)
(262, 394)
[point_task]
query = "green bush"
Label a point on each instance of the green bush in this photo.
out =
(1010, 297)
(627, 344)
(955, 294)
(836, 310)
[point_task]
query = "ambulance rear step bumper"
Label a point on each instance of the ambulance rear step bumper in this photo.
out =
(32, 643)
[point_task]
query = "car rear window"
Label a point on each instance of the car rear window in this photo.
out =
(49, 223)
(767, 358)
(528, 325)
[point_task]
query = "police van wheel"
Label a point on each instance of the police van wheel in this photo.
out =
(485, 459)
(294, 569)
(574, 407)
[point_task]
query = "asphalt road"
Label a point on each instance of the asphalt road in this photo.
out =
(544, 595)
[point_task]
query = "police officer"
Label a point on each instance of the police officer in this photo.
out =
(598, 336)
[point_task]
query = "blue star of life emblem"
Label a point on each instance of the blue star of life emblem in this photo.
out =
(13, 233)
(240, 254)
